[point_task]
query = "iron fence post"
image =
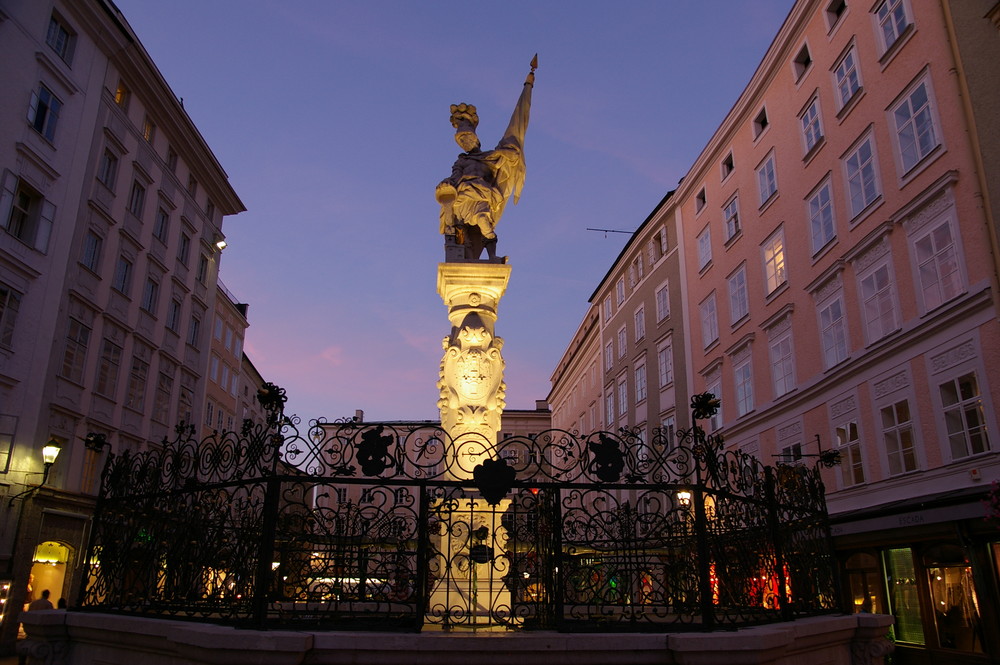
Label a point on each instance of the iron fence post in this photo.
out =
(776, 541)
(265, 553)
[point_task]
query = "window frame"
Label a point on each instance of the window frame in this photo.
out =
(731, 218)
(961, 406)
(854, 177)
(785, 363)
(929, 230)
(66, 49)
(852, 72)
(739, 296)
(880, 24)
(767, 179)
(897, 427)
(743, 385)
(662, 298)
(772, 253)
(811, 126)
(904, 169)
(704, 241)
(709, 315)
(665, 363)
(10, 304)
(882, 296)
(43, 112)
(817, 221)
(837, 348)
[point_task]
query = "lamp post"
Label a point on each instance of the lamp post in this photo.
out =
(50, 451)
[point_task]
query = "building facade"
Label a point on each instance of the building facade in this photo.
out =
(111, 208)
(226, 385)
(838, 290)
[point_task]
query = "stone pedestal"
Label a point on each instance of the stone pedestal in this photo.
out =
(471, 375)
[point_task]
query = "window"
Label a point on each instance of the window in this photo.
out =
(964, 416)
(760, 123)
(609, 355)
(665, 364)
(848, 77)
(709, 321)
(174, 314)
(767, 180)
(622, 397)
(743, 374)
(210, 211)
(122, 95)
(727, 166)
(834, 12)
(107, 369)
(161, 400)
(192, 187)
(915, 132)
(640, 323)
(219, 327)
(202, 269)
(862, 181)
(607, 310)
(878, 303)
(704, 248)
(184, 248)
(135, 393)
(171, 160)
(821, 218)
(833, 332)
(731, 216)
(699, 200)
(774, 262)
(75, 356)
(669, 429)
(123, 276)
(25, 214)
(801, 62)
(937, 266)
(213, 368)
(107, 169)
(662, 302)
(148, 130)
(791, 454)
(658, 246)
(620, 291)
(852, 470)
(150, 295)
(136, 199)
(91, 255)
(897, 434)
(60, 39)
(161, 225)
(43, 112)
(631, 277)
(812, 130)
(739, 304)
(622, 342)
(640, 383)
(209, 412)
(715, 422)
(782, 364)
(194, 331)
(10, 304)
(892, 21)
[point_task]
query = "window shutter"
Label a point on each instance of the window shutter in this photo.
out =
(48, 212)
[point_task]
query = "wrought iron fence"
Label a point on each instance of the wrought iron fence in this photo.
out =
(352, 525)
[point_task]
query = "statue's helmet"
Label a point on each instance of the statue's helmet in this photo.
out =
(464, 118)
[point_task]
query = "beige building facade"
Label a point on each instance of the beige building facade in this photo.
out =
(837, 286)
(111, 211)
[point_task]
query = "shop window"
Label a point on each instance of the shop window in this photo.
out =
(863, 576)
(904, 600)
(953, 596)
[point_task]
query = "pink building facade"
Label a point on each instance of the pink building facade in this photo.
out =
(837, 279)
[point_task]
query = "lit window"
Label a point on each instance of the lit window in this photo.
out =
(878, 303)
(767, 180)
(915, 131)
(833, 332)
(739, 304)
(731, 215)
(812, 131)
(852, 469)
(709, 321)
(122, 95)
(782, 364)
(862, 180)
(964, 416)
(897, 434)
(743, 374)
(821, 218)
(937, 266)
(148, 130)
(704, 248)
(848, 77)
(892, 21)
(774, 262)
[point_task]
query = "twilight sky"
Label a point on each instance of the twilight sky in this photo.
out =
(331, 119)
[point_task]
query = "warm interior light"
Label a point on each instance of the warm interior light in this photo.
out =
(51, 451)
(220, 244)
(684, 497)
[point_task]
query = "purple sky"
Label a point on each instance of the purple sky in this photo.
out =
(331, 119)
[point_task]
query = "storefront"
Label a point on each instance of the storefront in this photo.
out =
(933, 564)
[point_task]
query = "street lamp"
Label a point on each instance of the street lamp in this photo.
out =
(50, 451)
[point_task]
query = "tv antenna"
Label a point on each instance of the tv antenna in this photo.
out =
(607, 231)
